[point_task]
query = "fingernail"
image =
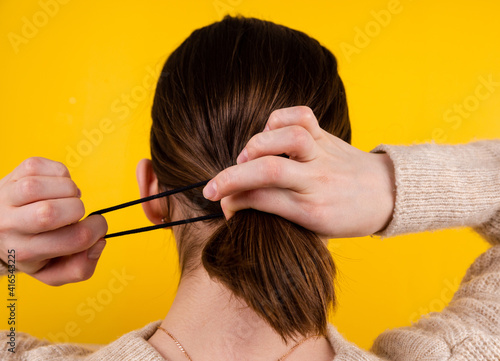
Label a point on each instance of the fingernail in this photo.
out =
(78, 193)
(266, 128)
(95, 251)
(243, 157)
(210, 190)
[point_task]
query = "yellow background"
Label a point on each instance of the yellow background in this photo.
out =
(86, 68)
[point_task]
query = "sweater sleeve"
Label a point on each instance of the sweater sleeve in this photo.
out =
(446, 186)
(26, 348)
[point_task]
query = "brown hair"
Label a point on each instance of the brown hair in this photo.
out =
(216, 91)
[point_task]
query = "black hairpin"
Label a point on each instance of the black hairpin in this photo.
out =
(157, 226)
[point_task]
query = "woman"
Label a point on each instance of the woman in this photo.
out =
(258, 286)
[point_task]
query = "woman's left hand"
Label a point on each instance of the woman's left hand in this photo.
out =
(326, 185)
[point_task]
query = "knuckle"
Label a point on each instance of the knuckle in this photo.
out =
(31, 165)
(317, 212)
(54, 283)
(24, 255)
(81, 274)
(306, 209)
(312, 211)
(47, 280)
(274, 118)
(305, 112)
(61, 170)
(46, 214)
(28, 187)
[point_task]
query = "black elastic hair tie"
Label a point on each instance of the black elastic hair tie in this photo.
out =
(157, 226)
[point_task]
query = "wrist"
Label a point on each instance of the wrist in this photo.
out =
(387, 189)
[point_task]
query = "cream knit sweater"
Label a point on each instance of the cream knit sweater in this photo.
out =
(437, 186)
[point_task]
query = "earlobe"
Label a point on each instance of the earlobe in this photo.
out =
(148, 185)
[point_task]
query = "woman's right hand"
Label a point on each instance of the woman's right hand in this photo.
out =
(40, 209)
(326, 185)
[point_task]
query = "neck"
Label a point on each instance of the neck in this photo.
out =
(211, 324)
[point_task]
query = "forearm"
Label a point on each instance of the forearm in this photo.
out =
(445, 186)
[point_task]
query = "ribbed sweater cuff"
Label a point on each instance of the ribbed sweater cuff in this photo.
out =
(443, 186)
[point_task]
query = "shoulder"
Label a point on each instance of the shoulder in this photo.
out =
(131, 346)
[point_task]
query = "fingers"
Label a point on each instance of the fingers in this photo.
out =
(298, 115)
(39, 166)
(46, 215)
(295, 130)
(30, 189)
(73, 268)
(30, 268)
(263, 172)
(295, 141)
(270, 200)
(40, 211)
(64, 241)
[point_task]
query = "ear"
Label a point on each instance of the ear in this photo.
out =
(148, 186)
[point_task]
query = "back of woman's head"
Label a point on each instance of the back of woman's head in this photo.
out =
(217, 90)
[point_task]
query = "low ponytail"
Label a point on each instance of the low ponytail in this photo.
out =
(282, 271)
(216, 91)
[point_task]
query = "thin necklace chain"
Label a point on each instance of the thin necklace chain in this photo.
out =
(183, 350)
(177, 343)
